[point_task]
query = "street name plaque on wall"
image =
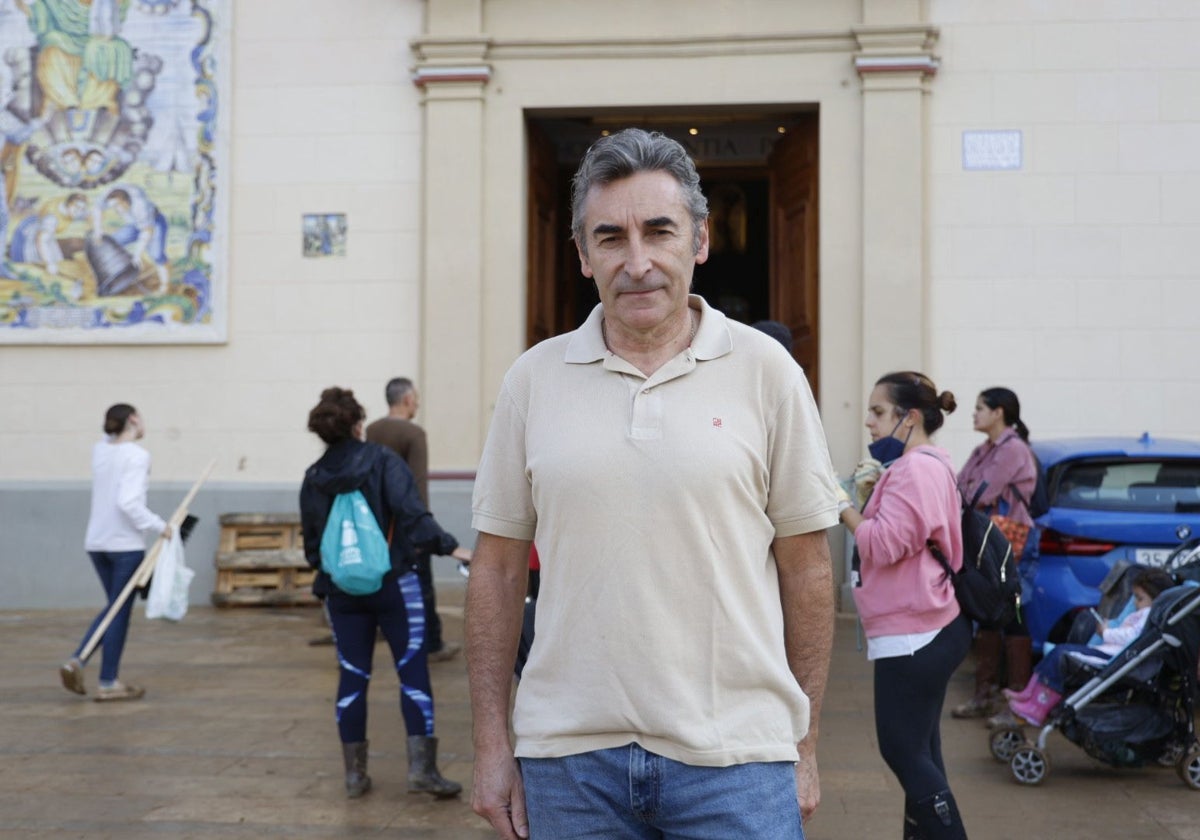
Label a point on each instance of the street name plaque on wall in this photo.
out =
(991, 150)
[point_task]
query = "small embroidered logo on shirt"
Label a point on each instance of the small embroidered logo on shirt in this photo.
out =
(716, 422)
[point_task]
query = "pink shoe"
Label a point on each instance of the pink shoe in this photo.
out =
(1037, 707)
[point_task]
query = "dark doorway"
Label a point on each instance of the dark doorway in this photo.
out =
(759, 172)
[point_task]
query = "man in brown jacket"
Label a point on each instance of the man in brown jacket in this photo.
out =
(398, 432)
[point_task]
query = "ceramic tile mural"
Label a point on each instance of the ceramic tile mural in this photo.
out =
(113, 220)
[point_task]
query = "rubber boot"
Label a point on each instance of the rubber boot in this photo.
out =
(987, 672)
(938, 818)
(423, 775)
(1018, 660)
(354, 756)
(1025, 693)
(1037, 707)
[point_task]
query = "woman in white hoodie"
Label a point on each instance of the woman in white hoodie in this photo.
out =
(116, 542)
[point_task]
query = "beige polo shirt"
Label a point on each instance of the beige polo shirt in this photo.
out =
(653, 503)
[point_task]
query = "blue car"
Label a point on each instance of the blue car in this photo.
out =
(1111, 499)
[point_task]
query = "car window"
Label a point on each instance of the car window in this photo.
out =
(1135, 485)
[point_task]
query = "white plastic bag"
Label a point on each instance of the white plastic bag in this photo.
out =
(168, 596)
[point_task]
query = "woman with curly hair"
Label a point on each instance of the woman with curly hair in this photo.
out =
(396, 609)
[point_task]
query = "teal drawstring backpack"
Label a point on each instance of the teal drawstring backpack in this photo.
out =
(354, 552)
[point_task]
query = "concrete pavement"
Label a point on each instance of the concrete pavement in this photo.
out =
(235, 739)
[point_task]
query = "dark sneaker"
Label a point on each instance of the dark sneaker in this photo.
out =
(72, 676)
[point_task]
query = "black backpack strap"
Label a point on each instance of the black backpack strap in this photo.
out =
(941, 558)
(974, 503)
(1024, 502)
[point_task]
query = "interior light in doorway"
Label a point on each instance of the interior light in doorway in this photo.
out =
(604, 133)
(693, 131)
(782, 129)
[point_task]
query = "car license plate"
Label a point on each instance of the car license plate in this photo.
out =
(1151, 556)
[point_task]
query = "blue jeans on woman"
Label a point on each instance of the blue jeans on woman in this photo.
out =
(630, 793)
(114, 568)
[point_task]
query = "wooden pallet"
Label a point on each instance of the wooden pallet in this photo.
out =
(260, 562)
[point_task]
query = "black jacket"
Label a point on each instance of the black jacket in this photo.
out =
(387, 485)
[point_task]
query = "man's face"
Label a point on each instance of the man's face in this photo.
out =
(413, 400)
(640, 248)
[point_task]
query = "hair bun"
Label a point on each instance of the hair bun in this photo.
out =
(947, 402)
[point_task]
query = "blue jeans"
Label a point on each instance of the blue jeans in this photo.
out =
(628, 793)
(115, 568)
(1049, 670)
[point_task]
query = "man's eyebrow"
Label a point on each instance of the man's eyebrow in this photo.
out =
(656, 222)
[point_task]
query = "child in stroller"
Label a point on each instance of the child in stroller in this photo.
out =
(1137, 707)
(1045, 688)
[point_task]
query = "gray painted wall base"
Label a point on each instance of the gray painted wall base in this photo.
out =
(43, 525)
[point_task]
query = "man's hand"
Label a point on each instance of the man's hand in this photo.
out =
(808, 784)
(499, 795)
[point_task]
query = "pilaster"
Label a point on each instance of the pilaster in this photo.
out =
(453, 75)
(895, 65)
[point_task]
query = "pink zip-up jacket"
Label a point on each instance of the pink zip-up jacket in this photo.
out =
(904, 588)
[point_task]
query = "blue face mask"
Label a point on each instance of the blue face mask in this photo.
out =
(888, 449)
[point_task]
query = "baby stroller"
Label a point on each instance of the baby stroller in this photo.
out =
(1138, 707)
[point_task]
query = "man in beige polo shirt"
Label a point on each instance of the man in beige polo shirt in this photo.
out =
(671, 466)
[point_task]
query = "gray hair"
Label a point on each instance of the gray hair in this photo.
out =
(626, 153)
(397, 389)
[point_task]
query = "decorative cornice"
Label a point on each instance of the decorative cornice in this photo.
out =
(896, 49)
(926, 64)
(436, 73)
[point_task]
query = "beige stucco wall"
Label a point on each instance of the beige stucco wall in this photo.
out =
(1074, 279)
(1076, 274)
(324, 119)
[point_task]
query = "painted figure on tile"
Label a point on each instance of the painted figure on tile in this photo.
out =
(35, 239)
(143, 227)
(82, 62)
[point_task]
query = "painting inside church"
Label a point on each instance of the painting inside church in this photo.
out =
(111, 222)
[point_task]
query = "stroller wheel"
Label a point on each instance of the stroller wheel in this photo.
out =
(1189, 768)
(1004, 742)
(1171, 755)
(1029, 765)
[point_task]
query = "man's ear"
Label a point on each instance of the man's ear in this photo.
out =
(702, 243)
(584, 265)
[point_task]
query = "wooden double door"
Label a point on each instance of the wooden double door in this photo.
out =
(763, 227)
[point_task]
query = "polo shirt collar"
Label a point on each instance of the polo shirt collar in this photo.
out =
(711, 341)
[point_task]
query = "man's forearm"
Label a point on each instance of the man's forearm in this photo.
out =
(495, 599)
(806, 591)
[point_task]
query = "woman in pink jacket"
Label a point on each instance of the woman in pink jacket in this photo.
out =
(916, 634)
